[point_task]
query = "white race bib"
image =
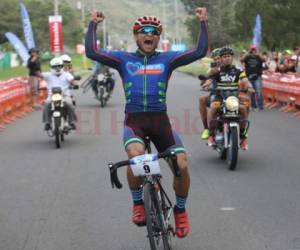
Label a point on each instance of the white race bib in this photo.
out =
(144, 165)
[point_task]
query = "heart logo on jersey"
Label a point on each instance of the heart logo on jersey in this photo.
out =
(133, 68)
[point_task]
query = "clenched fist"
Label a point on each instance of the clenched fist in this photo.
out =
(201, 13)
(98, 17)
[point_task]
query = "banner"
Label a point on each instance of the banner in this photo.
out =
(18, 45)
(26, 26)
(56, 35)
(257, 32)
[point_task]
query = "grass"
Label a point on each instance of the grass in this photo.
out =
(196, 68)
(77, 62)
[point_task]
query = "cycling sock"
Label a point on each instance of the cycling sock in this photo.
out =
(137, 196)
(243, 133)
(180, 204)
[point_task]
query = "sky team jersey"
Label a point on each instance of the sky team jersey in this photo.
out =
(229, 77)
(145, 78)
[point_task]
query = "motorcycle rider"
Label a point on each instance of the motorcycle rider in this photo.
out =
(99, 68)
(145, 74)
(204, 101)
(67, 61)
(57, 77)
(230, 76)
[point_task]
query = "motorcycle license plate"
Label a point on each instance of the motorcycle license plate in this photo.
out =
(56, 114)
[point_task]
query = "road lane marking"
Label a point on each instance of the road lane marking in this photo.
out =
(227, 209)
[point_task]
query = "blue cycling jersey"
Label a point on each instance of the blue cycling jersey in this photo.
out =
(145, 78)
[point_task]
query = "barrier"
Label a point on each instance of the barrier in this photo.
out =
(16, 100)
(282, 90)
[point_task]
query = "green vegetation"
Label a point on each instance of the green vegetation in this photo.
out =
(196, 68)
(232, 21)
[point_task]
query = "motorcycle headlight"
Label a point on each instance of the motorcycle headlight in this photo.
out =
(100, 77)
(56, 97)
(232, 103)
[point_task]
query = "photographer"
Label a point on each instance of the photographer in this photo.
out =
(254, 69)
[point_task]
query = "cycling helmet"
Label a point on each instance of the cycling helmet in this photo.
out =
(226, 51)
(56, 65)
(66, 58)
(215, 52)
(147, 21)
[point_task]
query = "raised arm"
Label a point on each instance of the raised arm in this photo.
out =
(112, 59)
(202, 43)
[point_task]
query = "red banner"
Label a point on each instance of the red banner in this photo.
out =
(56, 34)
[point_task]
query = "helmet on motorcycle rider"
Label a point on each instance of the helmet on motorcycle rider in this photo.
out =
(226, 51)
(144, 21)
(66, 58)
(215, 52)
(56, 65)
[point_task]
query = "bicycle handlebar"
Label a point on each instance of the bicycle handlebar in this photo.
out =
(113, 167)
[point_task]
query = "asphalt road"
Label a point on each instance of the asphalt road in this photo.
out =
(62, 199)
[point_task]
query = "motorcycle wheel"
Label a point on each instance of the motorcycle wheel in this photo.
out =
(102, 101)
(223, 154)
(233, 149)
(57, 122)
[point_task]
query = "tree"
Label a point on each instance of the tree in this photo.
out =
(221, 20)
(11, 21)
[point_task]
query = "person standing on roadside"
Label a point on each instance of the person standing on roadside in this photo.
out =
(254, 68)
(34, 67)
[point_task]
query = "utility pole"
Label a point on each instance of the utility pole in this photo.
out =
(176, 20)
(104, 34)
(164, 19)
(56, 7)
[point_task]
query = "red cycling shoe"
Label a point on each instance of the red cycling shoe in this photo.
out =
(138, 215)
(182, 224)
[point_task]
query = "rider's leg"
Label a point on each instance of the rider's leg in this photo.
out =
(244, 109)
(47, 114)
(203, 110)
(212, 115)
(70, 111)
(132, 150)
(203, 113)
(135, 185)
(94, 86)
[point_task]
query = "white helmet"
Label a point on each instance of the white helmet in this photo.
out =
(56, 65)
(66, 58)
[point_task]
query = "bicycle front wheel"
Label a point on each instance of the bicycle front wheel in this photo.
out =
(157, 232)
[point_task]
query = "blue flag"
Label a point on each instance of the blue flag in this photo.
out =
(26, 26)
(257, 32)
(18, 45)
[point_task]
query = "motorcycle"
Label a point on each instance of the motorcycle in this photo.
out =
(59, 122)
(104, 85)
(227, 126)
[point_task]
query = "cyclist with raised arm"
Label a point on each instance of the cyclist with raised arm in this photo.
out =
(145, 74)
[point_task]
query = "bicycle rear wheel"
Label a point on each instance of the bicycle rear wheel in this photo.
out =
(157, 232)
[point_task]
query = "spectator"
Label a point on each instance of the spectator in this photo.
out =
(254, 69)
(34, 67)
(272, 62)
(292, 65)
(284, 61)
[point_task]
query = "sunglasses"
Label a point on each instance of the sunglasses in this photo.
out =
(57, 67)
(149, 29)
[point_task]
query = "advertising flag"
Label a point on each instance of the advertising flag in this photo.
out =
(18, 45)
(257, 32)
(28, 34)
(56, 34)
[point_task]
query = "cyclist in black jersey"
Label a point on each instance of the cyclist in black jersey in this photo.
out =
(230, 76)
